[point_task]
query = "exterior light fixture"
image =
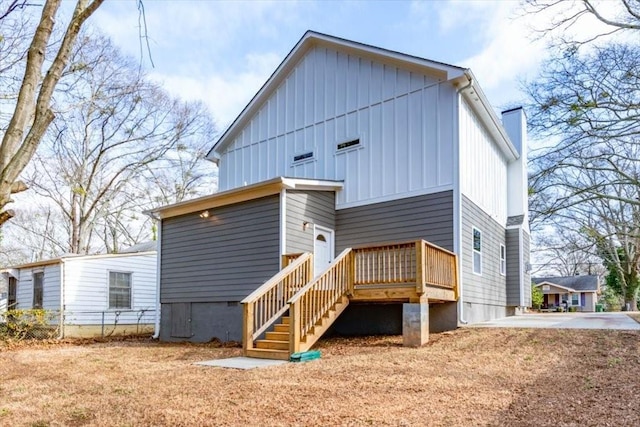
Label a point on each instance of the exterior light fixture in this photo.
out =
(204, 214)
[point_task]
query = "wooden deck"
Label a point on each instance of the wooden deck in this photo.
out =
(399, 272)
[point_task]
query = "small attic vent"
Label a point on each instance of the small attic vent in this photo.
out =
(348, 144)
(304, 156)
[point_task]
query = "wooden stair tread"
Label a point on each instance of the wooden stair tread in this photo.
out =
(277, 336)
(272, 344)
(262, 353)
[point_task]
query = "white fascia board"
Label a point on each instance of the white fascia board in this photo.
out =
(480, 104)
(308, 40)
(75, 257)
(312, 184)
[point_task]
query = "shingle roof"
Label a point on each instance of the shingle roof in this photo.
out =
(149, 246)
(578, 283)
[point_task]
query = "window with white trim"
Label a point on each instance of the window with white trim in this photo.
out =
(503, 260)
(477, 251)
(119, 290)
(38, 289)
(575, 299)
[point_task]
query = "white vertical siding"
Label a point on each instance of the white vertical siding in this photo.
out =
(403, 119)
(50, 287)
(24, 289)
(87, 288)
(483, 167)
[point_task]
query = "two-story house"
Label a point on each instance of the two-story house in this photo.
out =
(347, 146)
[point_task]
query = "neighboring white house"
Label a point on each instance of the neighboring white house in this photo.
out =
(101, 294)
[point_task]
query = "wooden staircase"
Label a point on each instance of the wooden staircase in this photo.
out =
(276, 343)
(306, 307)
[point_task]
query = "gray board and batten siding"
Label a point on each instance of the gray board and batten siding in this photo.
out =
(428, 217)
(484, 295)
(213, 263)
(311, 207)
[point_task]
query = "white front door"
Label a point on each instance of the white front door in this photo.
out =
(322, 249)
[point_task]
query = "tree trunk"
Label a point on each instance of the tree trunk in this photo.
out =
(32, 113)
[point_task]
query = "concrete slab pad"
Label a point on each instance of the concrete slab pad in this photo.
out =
(616, 321)
(241, 363)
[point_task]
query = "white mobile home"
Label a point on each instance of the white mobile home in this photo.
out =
(98, 295)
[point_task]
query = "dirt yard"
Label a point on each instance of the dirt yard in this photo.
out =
(471, 377)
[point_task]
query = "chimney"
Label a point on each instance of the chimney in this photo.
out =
(514, 122)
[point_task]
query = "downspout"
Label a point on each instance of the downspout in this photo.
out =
(156, 328)
(457, 242)
(62, 291)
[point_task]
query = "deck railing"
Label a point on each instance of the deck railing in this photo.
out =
(440, 267)
(420, 263)
(385, 264)
(317, 298)
(269, 302)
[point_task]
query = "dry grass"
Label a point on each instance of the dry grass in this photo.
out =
(470, 377)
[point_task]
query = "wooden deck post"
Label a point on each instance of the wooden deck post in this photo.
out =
(420, 267)
(456, 277)
(351, 273)
(295, 320)
(247, 327)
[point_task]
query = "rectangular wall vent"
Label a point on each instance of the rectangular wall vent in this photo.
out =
(348, 144)
(303, 156)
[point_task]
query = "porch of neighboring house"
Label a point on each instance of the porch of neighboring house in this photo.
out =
(563, 302)
(292, 310)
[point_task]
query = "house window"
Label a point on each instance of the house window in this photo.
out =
(575, 299)
(119, 290)
(503, 260)
(38, 282)
(477, 251)
(13, 293)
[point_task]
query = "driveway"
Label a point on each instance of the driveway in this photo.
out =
(618, 321)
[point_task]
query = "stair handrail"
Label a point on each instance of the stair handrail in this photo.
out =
(262, 307)
(316, 298)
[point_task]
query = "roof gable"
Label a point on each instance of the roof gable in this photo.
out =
(311, 40)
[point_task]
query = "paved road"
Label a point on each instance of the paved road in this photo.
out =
(565, 321)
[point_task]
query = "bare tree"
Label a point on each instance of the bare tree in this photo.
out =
(619, 16)
(589, 179)
(113, 127)
(32, 113)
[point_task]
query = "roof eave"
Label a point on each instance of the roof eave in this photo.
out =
(482, 106)
(241, 194)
